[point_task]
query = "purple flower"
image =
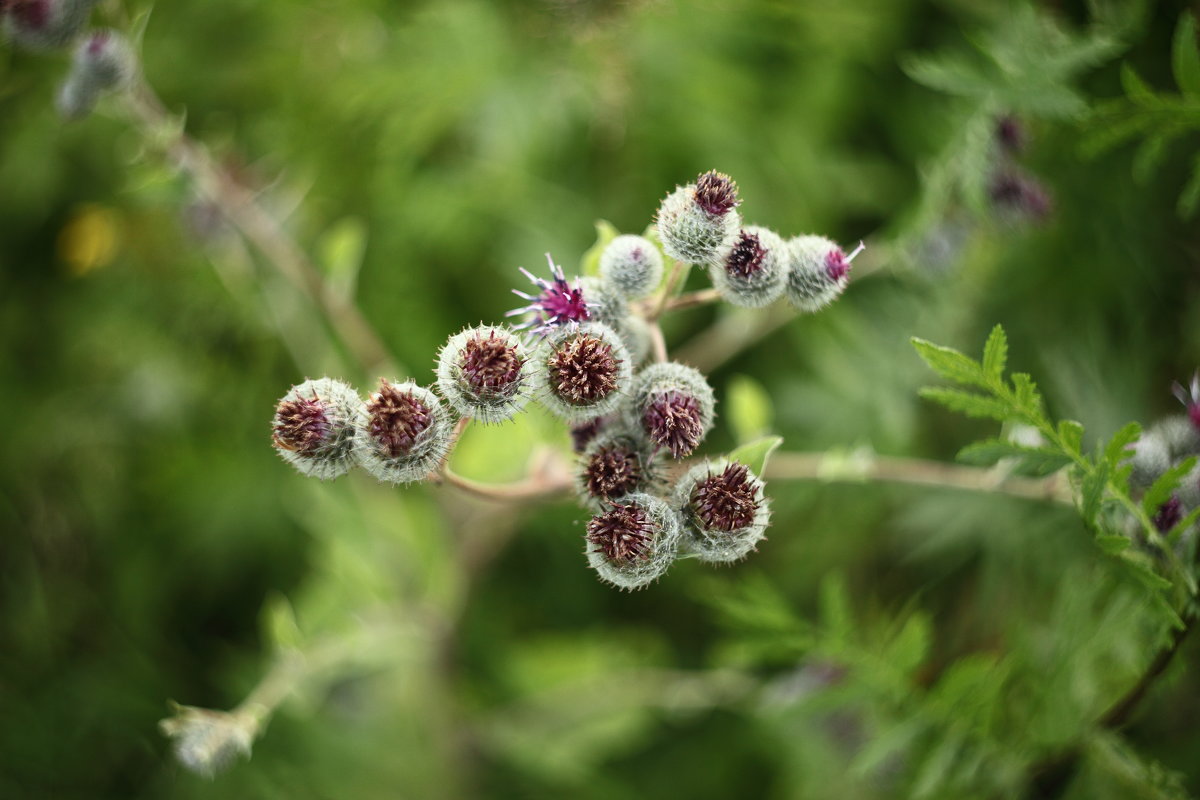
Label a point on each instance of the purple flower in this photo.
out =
(727, 501)
(622, 534)
(301, 425)
(674, 420)
(1190, 397)
(1168, 515)
(557, 305)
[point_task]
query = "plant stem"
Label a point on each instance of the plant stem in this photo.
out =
(678, 269)
(658, 342)
(240, 206)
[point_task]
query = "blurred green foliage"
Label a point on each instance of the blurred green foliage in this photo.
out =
(885, 641)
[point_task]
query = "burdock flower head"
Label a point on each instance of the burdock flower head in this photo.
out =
(402, 433)
(557, 303)
(673, 406)
(482, 372)
(313, 427)
(724, 511)
(614, 464)
(698, 223)
(818, 271)
(582, 373)
(607, 305)
(103, 62)
(44, 24)
(632, 265)
(634, 541)
(752, 274)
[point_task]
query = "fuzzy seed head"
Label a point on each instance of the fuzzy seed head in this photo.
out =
(725, 512)
(716, 193)
(402, 433)
(632, 265)
(817, 273)
(313, 427)
(752, 274)
(582, 373)
(633, 541)
(672, 407)
(482, 372)
(698, 223)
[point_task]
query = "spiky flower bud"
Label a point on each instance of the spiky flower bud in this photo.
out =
(818, 271)
(752, 274)
(632, 265)
(402, 433)
(208, 742)
(45, 24)
(1151, 458)
(634, 541)
(725, 514)
(483, 373)
(103, 62)
(313, 427)
(614, 464)
(607, 305)
(583, 373)
(698, 223)
(673, 406)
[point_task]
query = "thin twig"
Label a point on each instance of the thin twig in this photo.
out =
(678, 268)
(260, 228)
(658, 342)
(526, 490)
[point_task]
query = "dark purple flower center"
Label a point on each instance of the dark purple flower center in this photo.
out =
(747, 256)
(623, 534)
(716, 194)
(673, 420)
(583, 433)
(836, 264)
(29, 13)
(490, 364)
(613, 471)
(97, 43)
(1168, 515)
(1010, 190)
(583, 370)
(301, 426)
(397, 419)
(726, 502)
(1010, 134)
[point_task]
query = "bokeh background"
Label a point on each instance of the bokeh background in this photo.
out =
(884, 642)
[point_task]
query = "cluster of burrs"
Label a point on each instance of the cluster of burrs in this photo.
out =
(579, 349)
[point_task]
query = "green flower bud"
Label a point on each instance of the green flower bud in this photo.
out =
(581, 373)
(698, 223)
(673, 406)
(483, 373)
(752, 274)
(402, 433)
(313, 427)
(725, 514)
(818, 271)
(634, 542)
(632, 265)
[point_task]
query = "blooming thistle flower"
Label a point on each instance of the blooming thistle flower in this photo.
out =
(724, 511)
(818, 271)
(673, 406)
(632, 265)
(402, 433)
(633, 542)
(558, 303)
(582, 373)
(313, 427)
(45, 24)
(698, 223)
(614, 464)
(483, 373)
(752, 274)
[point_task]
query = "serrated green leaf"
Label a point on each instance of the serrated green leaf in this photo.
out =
(605, 233)
(1091, 492)
(1165, 484)
(1112, 543)
(1185, 56)
(1117, 449)
(755, 454)
(1183, 524)
(748, 408)
(949, 363)
(973, 405)
(1071, 433)
(995, 354)
(1035, 461)
(1145, 575)
(910, 647)
(1029, 400)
